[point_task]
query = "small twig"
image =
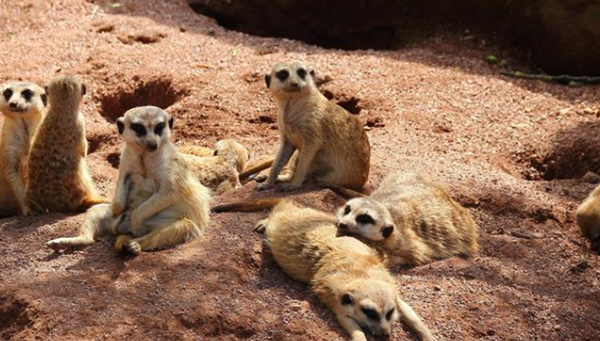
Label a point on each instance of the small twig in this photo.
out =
(561, 79)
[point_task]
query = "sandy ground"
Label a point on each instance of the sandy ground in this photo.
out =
(514, 152)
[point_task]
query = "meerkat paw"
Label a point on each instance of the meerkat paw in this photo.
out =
(264, 186)
(134, 248)
(26, 211)
(122, 241)
(288, 187)
(259, 178)
(284, 178)
(261, 226)
(65, 243)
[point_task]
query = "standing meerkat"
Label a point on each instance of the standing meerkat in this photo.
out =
(588, 219)
(220, 171)
(412, 220)
(332, 145)
(345, 274)
(22, 104)
(58, 177)
(158, 201)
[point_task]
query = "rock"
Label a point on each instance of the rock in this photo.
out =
(591, 177)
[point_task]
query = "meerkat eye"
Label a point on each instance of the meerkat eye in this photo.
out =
(389, 314)
(7, 94)
(365, 219)
(27, 94)
(282, 75)
(139, 129)
(159, 128)
(301, 73)
(347, 210)
(371, 314)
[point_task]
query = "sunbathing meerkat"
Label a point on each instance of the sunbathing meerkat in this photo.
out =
(345, 274)
(22, 104)
(412, 220)
(220, 171)
(57, 174)
(158, 201)
(588, 219)
(332, 145)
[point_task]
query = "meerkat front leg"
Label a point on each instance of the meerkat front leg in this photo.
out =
(157, 203)
(408, 315)
(305, 159)
(283, 156)
(18, 189)
(119, 204)
(351, 327)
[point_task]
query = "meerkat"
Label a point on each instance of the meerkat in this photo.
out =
(412, 220)
(332, 145)
(588, 219)
(196, 150)
(345, 274)
(158, 201)
(22, 104)
(58, 177)
(220, 172)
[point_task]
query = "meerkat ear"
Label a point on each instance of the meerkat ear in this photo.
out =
(121, 125)
(216, 152)
(171, 120)
(386, 232)
(83, 89)
(46, 89)
(44, 98)
(312, 73)
(347, 299)
(268, 80)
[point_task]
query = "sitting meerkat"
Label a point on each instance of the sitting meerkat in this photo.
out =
(57, 174)
(332, 145)
(588, 219)
(22, 104)
(220, 171)
(158, 201)
(412, 220)
(345, 274)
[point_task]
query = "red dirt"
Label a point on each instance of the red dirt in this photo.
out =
(436, 107)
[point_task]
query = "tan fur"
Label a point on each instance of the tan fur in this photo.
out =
(58, 178)
(220, 172)
(333, 147)
(588, 218)
(196, 150)
(422, 221)
(344, 273)
(158, 201)
(22, 104)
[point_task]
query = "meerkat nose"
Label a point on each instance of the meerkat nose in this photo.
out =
(13, 105)
(152, 146)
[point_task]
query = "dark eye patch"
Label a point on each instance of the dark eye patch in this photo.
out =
(371, 314)
(301, 73)
(389, 314)
(27, 94)
(159, 128)
(365, 219)
(282, 75)
(7, 94)
(347, 210)
(139, 129)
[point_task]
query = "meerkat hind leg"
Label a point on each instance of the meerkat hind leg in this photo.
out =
(98, 220)
(178, 232)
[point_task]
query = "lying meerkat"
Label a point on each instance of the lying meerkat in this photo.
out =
(332, 145)
(346, 275)
(588, 219)
(22, 104)
(158, 201)
(196, 150)
(58, 177)
(412, 220)
(220, 171)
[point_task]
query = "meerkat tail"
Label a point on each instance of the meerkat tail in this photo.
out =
(93, 201)
(346, 192)
(248, 206)
(413, 320)
(262, 165)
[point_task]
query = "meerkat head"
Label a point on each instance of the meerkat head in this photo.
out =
(366, 218)
(370, 303)
(65, 90)
(22, 98)
(145, 128)
(235, 152)
(293, 78)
